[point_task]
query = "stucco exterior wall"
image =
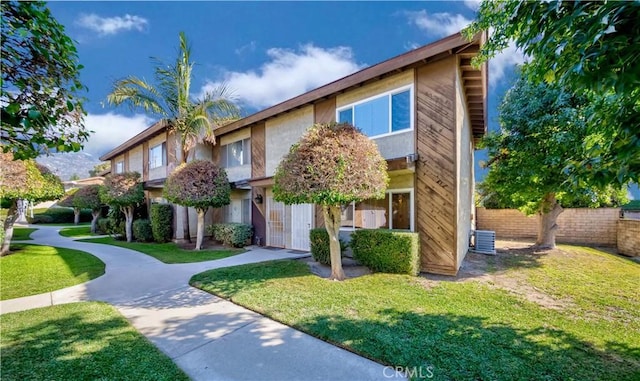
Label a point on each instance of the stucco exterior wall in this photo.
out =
(114, 161)
(392, 146)
(135, 160)
(282, 132)
(464, 165)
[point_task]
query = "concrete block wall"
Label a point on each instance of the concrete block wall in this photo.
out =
(579, 225)
(629, 237)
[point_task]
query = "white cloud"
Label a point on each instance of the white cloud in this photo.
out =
(112, 25)
(288, 73)
(472, 4)
(111, 130)
(438, 24)
(248, 48)
(504, 62)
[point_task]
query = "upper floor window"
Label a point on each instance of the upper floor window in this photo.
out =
(381, 115)
(158, 156)
(236, 154)
(120, 166)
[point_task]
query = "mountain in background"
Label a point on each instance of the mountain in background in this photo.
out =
(65, 165)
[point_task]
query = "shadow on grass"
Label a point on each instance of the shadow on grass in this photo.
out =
(84, 341)
(468, 348)
(79, 263)
(226, 282)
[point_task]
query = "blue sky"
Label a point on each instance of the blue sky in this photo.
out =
(266, 52)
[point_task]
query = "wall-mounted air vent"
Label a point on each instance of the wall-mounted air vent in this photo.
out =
(485, 242)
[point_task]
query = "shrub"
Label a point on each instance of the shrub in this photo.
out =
(58, 216)
(387, 251)
(142, 230)
(117, 224)
(231, 234)
(320, 245)
(162, 222)
(103, 225)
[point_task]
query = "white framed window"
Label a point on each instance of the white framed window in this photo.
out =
(158, 156)
(238, 211)
(374, 214)
(120, 166)
(236, 154)
(384, 114)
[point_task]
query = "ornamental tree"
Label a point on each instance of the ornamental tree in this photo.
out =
(542, 128)
(67, 202)
(332, 164)
(40, 105)
(123, 191)
(199, 184)
(89, 198)
(26, 180)
(585, 47)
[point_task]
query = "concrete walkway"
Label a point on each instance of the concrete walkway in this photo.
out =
(208, 337)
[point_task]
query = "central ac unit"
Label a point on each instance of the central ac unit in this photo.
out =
(485, 242)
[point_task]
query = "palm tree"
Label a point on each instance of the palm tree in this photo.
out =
(170, 99)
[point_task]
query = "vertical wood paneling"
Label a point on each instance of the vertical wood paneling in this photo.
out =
(325, 111)
(172, 158)
(436, 168)
(145, 160)
(257, 151)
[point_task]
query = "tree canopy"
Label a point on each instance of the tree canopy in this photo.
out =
(40, 103)
(542, 128)
(331, 165)
(199, 184)
(123, 191)
(588, 48)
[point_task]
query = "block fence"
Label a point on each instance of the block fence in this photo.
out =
(629, 237)
(579, 225)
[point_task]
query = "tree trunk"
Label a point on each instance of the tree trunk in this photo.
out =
(547, 227)
(332, 224)
(76, 216)
(12, 216)
(128, 215)
(95, 213)
(200, 230)
(186, 234)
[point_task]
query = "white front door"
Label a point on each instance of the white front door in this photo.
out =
(301, 223)
(275, 223)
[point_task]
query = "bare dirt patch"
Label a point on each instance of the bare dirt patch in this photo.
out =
(207, 244)
(350, 267)
(501, 271)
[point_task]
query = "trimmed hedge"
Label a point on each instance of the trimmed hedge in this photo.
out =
(142, 230)
(387, 251)
(58, 216)
(231, 234)
(320, 250)
(103, 225)
(161, 216)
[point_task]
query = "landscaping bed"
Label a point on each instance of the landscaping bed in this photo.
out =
(474, 326)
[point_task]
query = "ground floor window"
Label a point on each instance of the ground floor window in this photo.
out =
(238, 211)
(392, 212)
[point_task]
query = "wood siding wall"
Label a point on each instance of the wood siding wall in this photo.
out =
(145, 161)
(436, 167)
(258, 171)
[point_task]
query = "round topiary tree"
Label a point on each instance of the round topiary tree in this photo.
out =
(123, 191)
(89, 198)
(199, 184)
(23, 180)
(331, 165)
(67, 202)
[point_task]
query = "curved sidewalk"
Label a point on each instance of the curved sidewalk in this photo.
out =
(208, 337)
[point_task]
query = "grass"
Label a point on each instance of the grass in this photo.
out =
(22, 234)
(168, 252)
(464, 329)
(70, 224)
(34, 269)
(79, 341)
(76, 231)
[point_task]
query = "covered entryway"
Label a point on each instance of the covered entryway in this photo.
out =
(301, 223)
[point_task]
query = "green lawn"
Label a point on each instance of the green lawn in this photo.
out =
(168, 252)
(34, 269)
(76, 231)
(464, 330)
(79, 341)
(22, 234)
